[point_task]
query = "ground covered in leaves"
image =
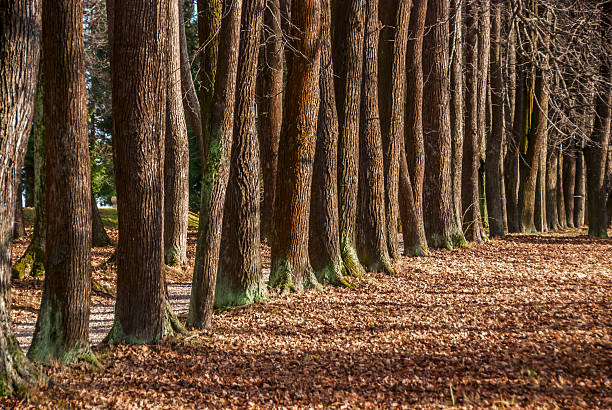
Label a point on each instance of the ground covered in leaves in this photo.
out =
(519, 321)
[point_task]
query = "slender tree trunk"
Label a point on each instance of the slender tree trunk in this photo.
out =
(580, 188)
(484, 107)
(457, 104)
(372, 233)
(217, 167)
(414, 144)
(348, 67)
(139, 40)
(540, 204)
(98, 233)
(176, 157)
(324, 240)
(440, 224)
(568, 184)
(552, 184)
(18, 225)
(511, 165)
(271, 115)
(20, 30)
(210, 13)
(32, 262)
(240, 280)
(494, 161)
(596, 153)
(291, 268)
(561, 213)
(62, 328)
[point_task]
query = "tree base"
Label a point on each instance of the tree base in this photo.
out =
(18, 376)
(282, 277)
(350, 259)
(172, 256)
(382, 264)
(416, 250)
(333, 274)
(226, 296)
(32, 263)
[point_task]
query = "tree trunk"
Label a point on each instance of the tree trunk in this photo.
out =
(440, 224)
(217, 167)
(470, 199)
(99, 237)
(568, 184)
(209, 35)
(240, 280)
(517, 102)
(596, 152)
(139, 40)
(540, 204)
(414, 145)
(324, 239)
(484, 107)
(271, 115)
(552, 184)
(561, 213)
(372, 233)
(291, 268)
(494, 161)
(580, 188)
(457, 104)
(348, 67)
(62, 328)
(20, 30)
(176, 158)
(18, 225)
(32, 262)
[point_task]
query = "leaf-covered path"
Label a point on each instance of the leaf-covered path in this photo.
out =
(524, 320)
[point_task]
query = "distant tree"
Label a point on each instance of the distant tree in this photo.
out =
(62, 328)
(568, 183)
(240, 280)
(20, 30)
(440, 224)
(99, 237)
(18, 225)
(215, 176)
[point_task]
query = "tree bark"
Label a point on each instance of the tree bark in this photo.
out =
(568, 184)
(348, 67)
(372, 233)
(596, 152)
(440, 224)
(324, 239)
(457, 116)
(511, 165)
(20, 31)
(99, 237)
(216, 171)
(240, 280)
(552, 185)
(176, 157)
(561, 213)
(271, 115)
(580, 188)
(62, 328)
(540, 204)
(139, 40)
(494, 161)
(291, 268)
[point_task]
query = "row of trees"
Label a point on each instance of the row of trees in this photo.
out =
(437, 118)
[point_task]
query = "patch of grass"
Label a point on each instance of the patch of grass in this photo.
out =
(194, 220)
(109, 217)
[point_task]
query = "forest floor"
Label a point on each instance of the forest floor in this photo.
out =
(522, 321)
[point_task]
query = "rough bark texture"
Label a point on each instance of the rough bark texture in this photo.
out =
(217, 167)
(552, 185)
(580, 188)
(139, 85)
(291, 268)
(372, 232)
(540, 204)
(494, 161)
(324, 238)
(99, 236)
(440, 224)
(456, 106)
(20, 36)
(568, 184)
(348, 68)
(271, 115)
(209, 25)
(176, 158)
(511, 163)
(414, 146)
(240, 279)
(561, 213)
(596, 152)
(470, 199)
(62, 328)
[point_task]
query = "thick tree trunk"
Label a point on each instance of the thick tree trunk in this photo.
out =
(580, 188)
(217, 166)
(470, 198)
(209, 26)
(139, 40)
(20, 30)
(456, 90)
(372, 233)
(32, 262)
(271, 114)
(596, 152)
(176, 158)
(291, 268)
(552, 184)
(240, 279)
(348, 68)
(99, 236)
(324, 239)
(494, 161)
(414, 145)
(440, 224)
(568, 183)
(62, 328)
